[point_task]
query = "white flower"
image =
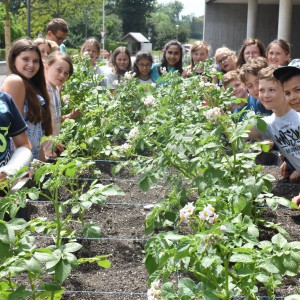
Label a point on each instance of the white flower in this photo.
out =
(66, 99)
(186, 212)
(208, 214)
(123, 148)
(163, 70)
(223, 228)
(129, 75)
(149, 100)
(86, 54)
(213, 113)
(134, 132)
(154, 292)
(153, 84)
(115, 82)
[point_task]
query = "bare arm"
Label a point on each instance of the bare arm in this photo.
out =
(14, 86)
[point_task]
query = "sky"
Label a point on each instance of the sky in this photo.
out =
(190, 6)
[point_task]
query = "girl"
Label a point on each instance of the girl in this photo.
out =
(225, 59)
(91, 47)
(251, 48)
(27, 86)
(119, 64)
(171, 61)
(58, 69)
(142, 66)
(279, 53)
(44, 46)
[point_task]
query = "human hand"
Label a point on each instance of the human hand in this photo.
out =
(296, 200)
(295, 176)
(74, 114)
(284, 170)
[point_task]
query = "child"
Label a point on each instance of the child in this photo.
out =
(283, 125)
(58, 69)
(13, 126)
(120, 63)
(91, 47)
(225, 59)
(199, 53)
(171, 61)
(142, 66)
(248, 75)
(251, 48)
(289, 76)
(279, 52)
(239, 90)
(57, 31)
(44, 46)
(27, 86)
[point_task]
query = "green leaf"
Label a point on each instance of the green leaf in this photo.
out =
(104, 263)
(91, 230)
(167, 291)
(71, 247)
(20, 293)
(4, 235)
(292, 297)
(186, 287)
(62, 270)
(261, 125)
(268, 266)
(279, 240)
(239, 257)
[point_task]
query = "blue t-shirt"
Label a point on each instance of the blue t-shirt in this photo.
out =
(154, 72)
(250, 105)
(11, 124)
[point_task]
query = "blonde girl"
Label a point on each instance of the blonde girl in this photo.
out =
(27, 86)
(58, 69)
(44, 46)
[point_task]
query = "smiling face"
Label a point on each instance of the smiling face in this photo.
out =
(271, 95)
(45, 50)
(172, 55)
(292, 92)
(199, 55)
(27, 63)
(251, 82)
(122, 61)
(226, 61)
(93, 52)
(58, 72)
(144, 66)
(251, 51)
(277, 56)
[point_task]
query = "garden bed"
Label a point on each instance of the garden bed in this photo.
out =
(122, 220)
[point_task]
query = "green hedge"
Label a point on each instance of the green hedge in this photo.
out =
(2, 54)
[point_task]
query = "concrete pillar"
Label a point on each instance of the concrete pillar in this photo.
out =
(285, 19)
(252, 18)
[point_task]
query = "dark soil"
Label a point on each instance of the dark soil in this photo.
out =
(122, 224)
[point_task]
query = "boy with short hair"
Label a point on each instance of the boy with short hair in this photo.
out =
(57, 31)
(284, 124)
(248, 75)
(239, 90)
(289, 76)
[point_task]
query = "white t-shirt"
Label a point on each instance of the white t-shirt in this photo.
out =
(284, 131)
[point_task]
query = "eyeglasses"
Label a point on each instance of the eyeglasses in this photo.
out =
(144, 66)
(223, 59)
(59, 39)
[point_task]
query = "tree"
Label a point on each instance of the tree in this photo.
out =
(172, 9)
(133, 13)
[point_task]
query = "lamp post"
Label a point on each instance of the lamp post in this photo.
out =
(177, 26)
(103, 27)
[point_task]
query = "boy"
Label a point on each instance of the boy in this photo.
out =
(12, 125)
(231, 80)
(248, 75)
(57, 31)
(284, 123)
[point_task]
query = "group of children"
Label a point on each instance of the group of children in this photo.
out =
(269, 85)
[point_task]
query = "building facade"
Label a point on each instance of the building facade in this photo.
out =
(229, 22)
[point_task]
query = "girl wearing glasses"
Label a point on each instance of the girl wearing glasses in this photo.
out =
(142, 66)
(171, 61)
(27, 86)
(225, 59)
